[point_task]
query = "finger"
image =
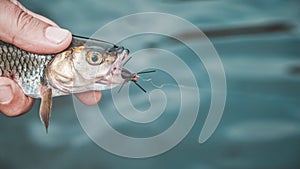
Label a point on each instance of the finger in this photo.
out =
(89, 98)
(30, 33)
(40, 17)
(13, 102)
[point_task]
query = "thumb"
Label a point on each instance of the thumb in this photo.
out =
(22, 29)
(13, 102)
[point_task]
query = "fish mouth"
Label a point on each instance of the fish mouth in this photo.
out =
(121, 56)
(114, 74)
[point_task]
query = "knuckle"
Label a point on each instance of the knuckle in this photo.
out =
(23, 19)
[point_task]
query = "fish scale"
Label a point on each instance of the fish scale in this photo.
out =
(26, 68)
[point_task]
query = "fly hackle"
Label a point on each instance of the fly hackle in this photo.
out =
(140, 87)
(149, 71)
(128, 76)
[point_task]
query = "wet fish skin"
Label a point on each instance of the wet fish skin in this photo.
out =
(27, 69)
(32, 71)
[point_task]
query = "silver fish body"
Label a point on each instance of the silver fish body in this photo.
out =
(27, 69)
(87, 64)
(70, 71)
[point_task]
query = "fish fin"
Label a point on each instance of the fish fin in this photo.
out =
(46, 105)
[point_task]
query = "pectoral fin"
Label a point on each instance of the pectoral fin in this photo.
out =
(46, 105)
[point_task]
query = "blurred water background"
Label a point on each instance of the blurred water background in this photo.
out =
(258, 43)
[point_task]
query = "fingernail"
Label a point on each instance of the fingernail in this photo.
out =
(6, 94)
(56, 35)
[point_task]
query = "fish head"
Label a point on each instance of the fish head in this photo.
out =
(85, 68)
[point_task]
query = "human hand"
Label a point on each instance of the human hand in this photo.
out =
(33, 33)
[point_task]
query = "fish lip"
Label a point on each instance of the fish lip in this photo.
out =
(121, 55)
(117, 66)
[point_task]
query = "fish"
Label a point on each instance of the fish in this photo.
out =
(87, 64)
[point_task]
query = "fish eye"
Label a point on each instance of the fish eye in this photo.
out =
(94, 58)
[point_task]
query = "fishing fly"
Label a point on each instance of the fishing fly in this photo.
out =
(133, 77)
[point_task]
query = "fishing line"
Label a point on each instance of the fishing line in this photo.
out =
(165, 85)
